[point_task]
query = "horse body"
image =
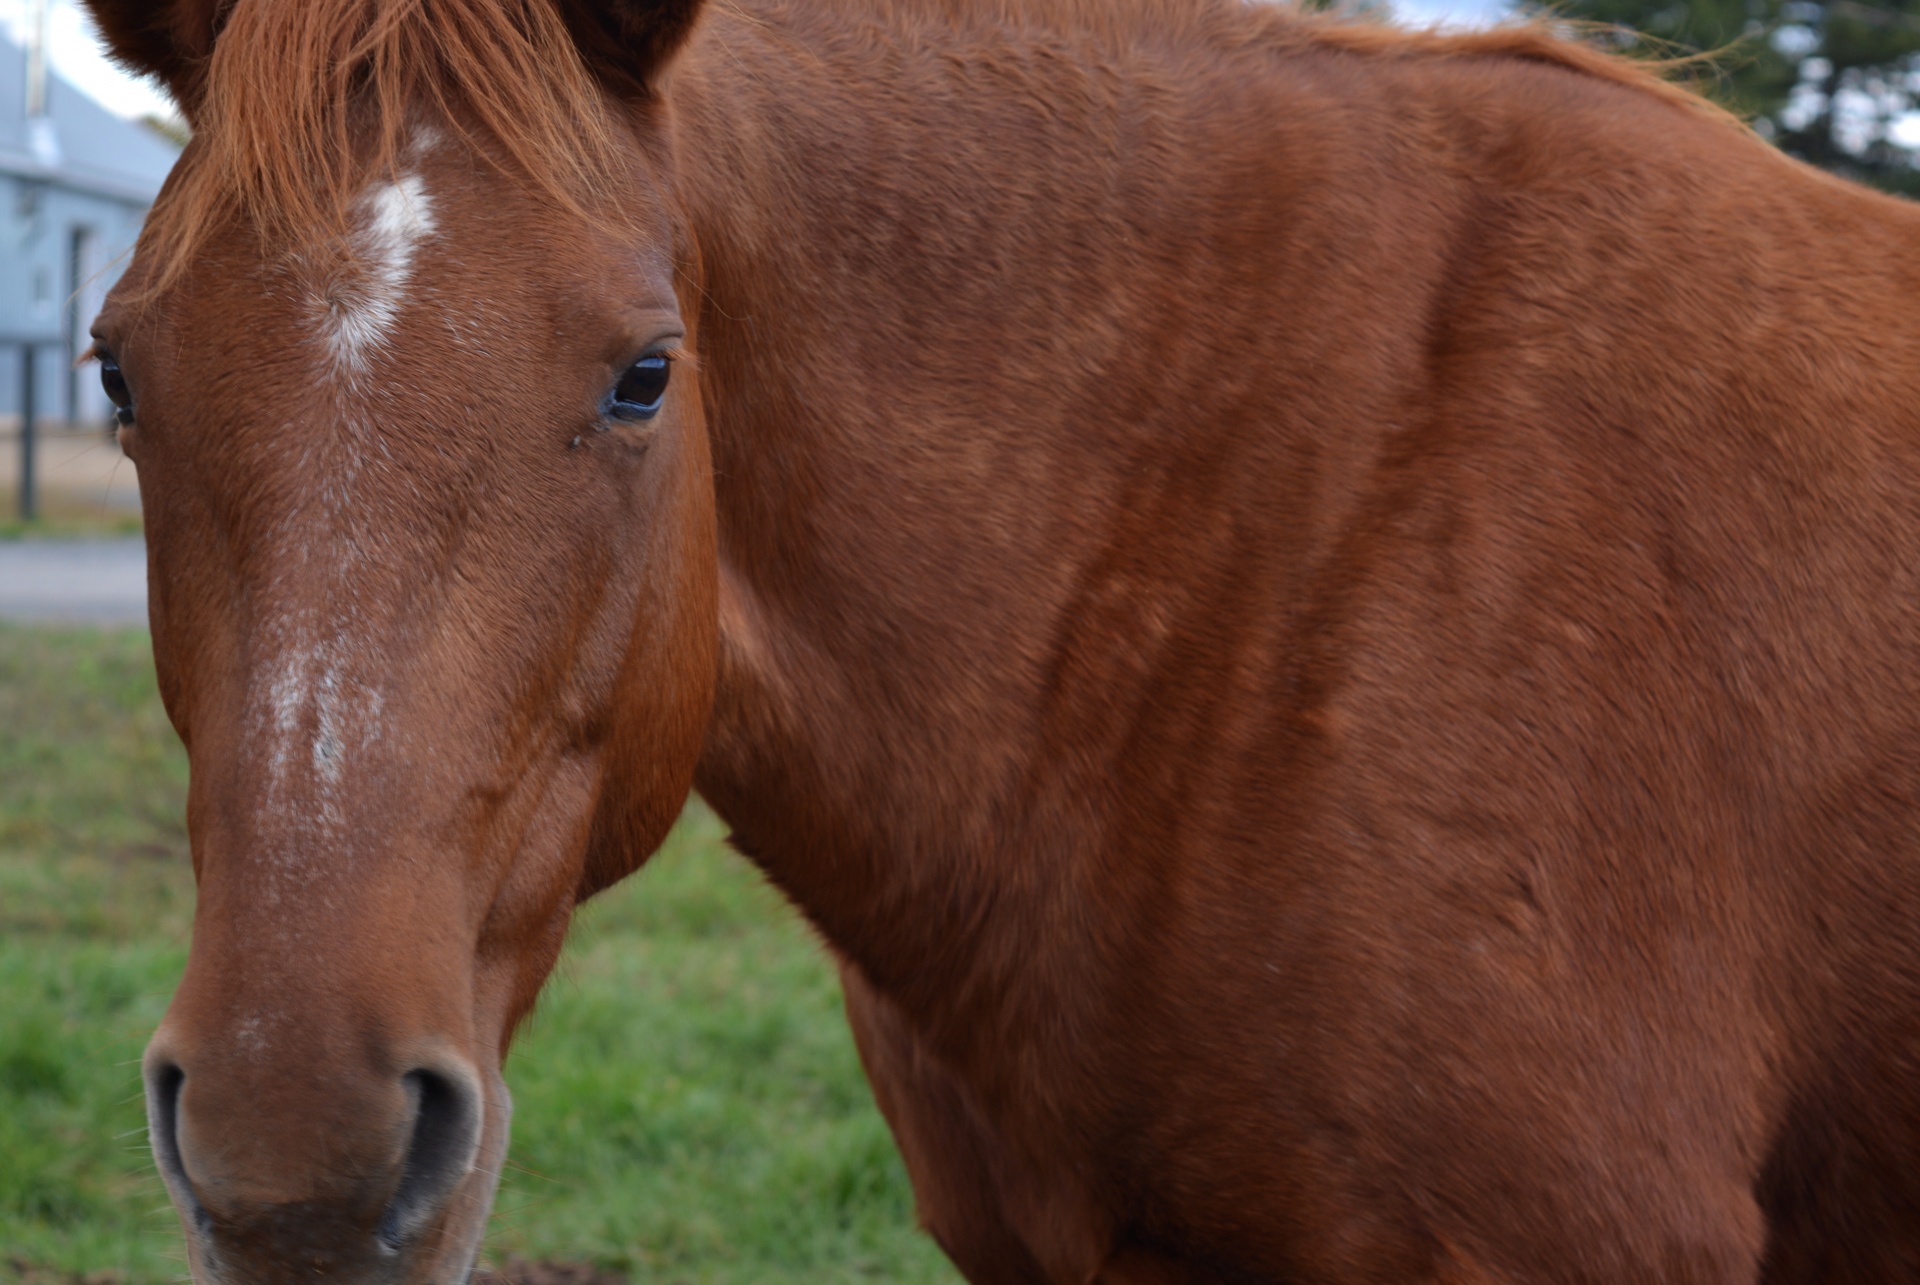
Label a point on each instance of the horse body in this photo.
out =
(1320, 618)
(1390, 608)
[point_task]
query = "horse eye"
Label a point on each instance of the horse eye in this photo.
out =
(117, 391)
(641, 390)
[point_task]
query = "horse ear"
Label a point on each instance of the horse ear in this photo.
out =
(628, 43)
(170, 39)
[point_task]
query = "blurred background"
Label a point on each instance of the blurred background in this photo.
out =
(690, 1106)
(1833, 82)
(83, 151)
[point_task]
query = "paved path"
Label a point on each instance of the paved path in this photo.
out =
(92, 582)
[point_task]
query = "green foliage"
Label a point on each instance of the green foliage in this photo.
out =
(1827, 80)
(688, 1103)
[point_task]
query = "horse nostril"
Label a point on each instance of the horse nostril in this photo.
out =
(164, 1081)
(446, 1141)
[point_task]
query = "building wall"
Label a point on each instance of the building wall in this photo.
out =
(60, 250)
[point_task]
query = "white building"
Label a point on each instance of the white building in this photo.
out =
(75, 182)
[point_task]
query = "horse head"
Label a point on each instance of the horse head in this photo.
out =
(403, 364)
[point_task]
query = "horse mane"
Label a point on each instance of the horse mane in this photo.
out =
(305, 100)
(1275, 26)
(1541, 40)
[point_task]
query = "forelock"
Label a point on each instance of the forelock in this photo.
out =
(309, 101)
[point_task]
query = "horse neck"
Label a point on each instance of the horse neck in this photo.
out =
(912, 277)
(945, 371)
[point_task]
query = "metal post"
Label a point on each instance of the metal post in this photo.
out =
(29, 506)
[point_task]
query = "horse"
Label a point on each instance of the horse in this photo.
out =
(1324, 619)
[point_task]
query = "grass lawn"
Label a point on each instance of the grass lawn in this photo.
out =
(688, 1103)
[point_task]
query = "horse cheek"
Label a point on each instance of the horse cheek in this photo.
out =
(663, 699)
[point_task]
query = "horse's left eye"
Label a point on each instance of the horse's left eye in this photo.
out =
(643, 388)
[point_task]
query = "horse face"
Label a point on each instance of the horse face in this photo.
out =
(430, 538)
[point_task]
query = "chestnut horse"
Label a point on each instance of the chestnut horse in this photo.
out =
(1327, 621)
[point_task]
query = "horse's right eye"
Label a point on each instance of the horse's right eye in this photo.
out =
(118, 393)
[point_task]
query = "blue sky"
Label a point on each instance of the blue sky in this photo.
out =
(75, 54)
(1463, 12)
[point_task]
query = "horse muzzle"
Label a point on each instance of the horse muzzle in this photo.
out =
(386, 1178)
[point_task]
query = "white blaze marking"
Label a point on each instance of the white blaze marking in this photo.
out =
(315, 705)
(362, 307)
(320, 702)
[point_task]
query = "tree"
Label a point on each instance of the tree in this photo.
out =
(1834, 82)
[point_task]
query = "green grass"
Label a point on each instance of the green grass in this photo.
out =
(688, 1103)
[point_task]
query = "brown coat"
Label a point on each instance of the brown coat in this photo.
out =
(1324, 619)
